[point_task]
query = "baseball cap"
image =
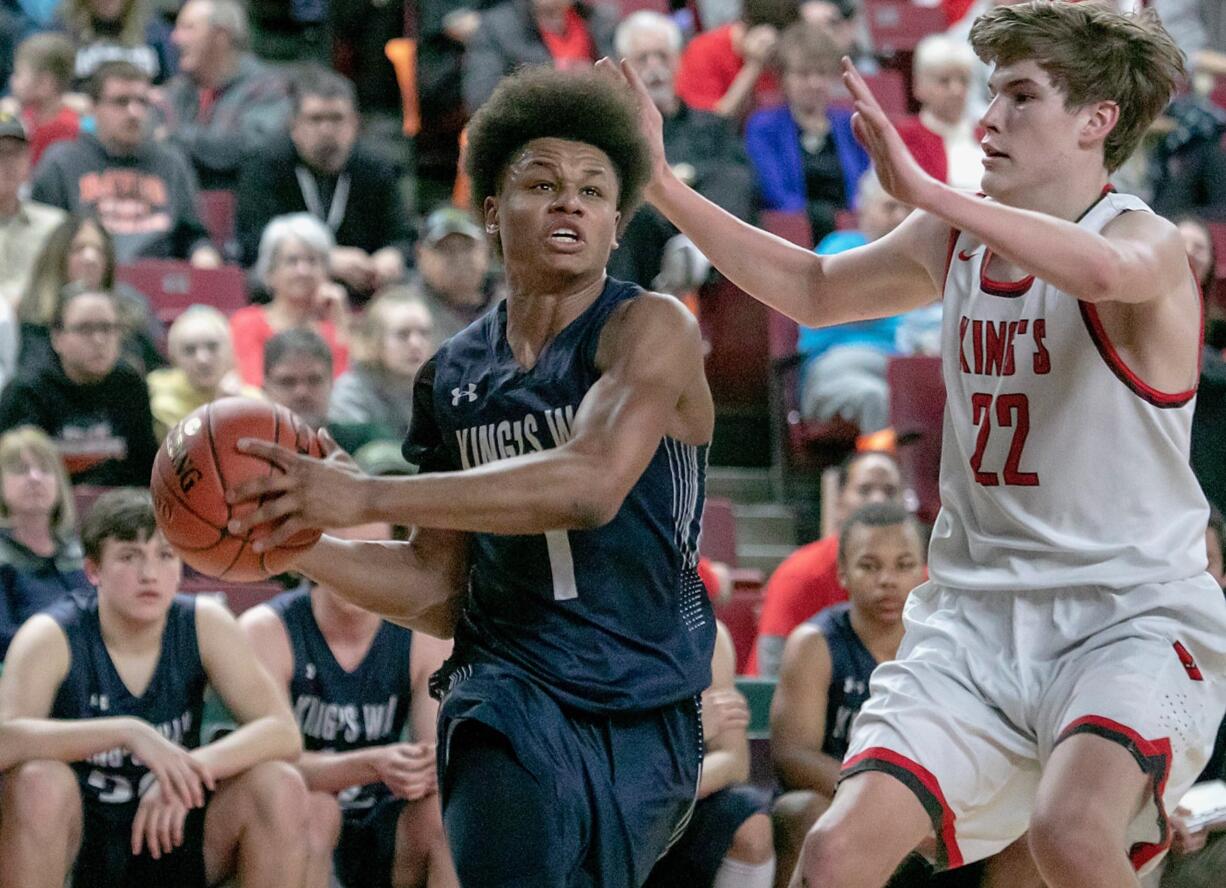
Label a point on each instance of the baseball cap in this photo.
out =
(448, 220)
(11, 127)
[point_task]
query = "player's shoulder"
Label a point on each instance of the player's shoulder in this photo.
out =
(41, 643)
(646, 329)
(806, 644)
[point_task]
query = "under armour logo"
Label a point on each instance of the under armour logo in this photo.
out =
(310, 671)
(470, 393)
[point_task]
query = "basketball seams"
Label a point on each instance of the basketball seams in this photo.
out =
(170, 488)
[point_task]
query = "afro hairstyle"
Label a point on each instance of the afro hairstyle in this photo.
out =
(544, 103)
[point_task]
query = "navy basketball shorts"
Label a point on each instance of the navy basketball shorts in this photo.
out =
(535, 794)
(366, 850)
(106, 860)
(695, 858)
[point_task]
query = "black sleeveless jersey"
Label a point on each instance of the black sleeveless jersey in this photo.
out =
(852, 664)
(338, 711)
(609, 619)
(172, 703)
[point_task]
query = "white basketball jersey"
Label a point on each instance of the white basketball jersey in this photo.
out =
(1059, 466)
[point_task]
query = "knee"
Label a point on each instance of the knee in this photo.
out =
(1070, 841)
(752, 842)
(324, 823)
(41, 797)
(794, 812)
(827, 851)
(280, 800)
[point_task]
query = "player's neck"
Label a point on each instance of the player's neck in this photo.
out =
(342, 626)
(33, 531)
(1068, 199)
(881, 639)
(535, 314)
(125, 636)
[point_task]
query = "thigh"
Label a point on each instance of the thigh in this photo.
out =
(506, 825)
(366, 849)
(644, 770)
(1149, 689)
(936, 722)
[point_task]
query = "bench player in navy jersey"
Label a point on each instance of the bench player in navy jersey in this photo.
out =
(113, 685)
(563, 439)
(354, 680)
(1062, 674)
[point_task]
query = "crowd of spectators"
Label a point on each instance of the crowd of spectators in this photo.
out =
(125, 125)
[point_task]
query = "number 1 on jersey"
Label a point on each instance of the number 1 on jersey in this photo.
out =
(561, 565)
(1012, 411)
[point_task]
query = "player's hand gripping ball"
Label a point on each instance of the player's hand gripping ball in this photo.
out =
(197, 463)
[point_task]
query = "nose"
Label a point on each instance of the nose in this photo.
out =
(990, 114)
(567, 201)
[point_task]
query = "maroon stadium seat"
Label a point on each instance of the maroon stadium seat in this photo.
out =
(917, 406)
(172, 285)
(896, 26)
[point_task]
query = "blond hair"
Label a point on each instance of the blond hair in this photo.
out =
(1092, 54)
(15, 444)
(367, 344)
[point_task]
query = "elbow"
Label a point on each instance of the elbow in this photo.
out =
(596, 507)
(1104, 280)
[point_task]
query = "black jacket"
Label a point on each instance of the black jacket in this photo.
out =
(104, 431)
(374, 218)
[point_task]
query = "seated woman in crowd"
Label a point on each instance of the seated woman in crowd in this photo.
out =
(943, 136)
(804, 152)
(396, 339)
(115, 30)
(81, 251)
(40, 555)
(293, 265)
(203, 371)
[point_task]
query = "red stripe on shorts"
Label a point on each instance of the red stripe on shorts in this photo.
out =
(923, 783)
(1154, 758)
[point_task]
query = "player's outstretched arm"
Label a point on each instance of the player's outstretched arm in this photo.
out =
(266, 726)
(36, 665)
(798, 714)
(1138, 257)
(652, 385)
(889, 276)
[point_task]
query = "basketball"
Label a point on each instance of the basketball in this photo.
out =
(195, 465)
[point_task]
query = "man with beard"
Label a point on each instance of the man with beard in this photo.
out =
(322, 169)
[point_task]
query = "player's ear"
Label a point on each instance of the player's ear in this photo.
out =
(490, 213)
(1100, 121)
(91, 571)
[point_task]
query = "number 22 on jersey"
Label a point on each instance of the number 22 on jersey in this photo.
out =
(1006, 411)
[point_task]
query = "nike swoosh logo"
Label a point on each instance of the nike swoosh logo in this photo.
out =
(965, 256)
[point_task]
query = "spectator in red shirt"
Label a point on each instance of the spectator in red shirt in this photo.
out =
(293, 264)
(722, 69)
(943, 137)
(42, 73)
(808, 580)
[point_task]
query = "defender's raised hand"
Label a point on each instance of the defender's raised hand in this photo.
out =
(897, 170)
(650, 120)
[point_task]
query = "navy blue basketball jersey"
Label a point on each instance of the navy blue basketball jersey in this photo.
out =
(172, 703)
(338, 711)
(610, 619)
(852, 665)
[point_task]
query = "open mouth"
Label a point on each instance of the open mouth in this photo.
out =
(992, 152)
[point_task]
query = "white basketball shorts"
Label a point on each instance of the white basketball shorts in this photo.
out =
(987, 684)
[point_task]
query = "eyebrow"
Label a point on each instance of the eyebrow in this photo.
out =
(1016, 81)
(550, 165)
